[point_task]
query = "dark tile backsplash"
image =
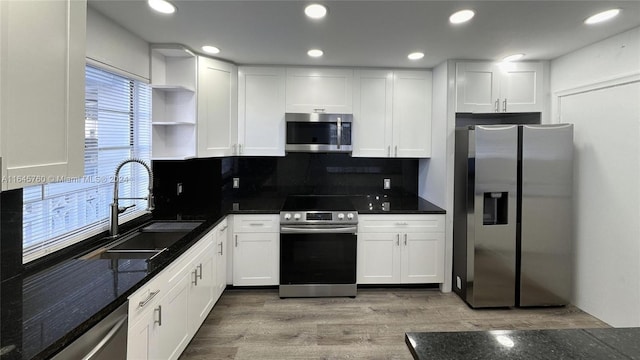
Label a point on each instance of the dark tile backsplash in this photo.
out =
(318, 174)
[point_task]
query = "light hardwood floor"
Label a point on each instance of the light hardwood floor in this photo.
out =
(257, 324)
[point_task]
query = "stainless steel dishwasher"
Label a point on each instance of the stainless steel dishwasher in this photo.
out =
(107, 340)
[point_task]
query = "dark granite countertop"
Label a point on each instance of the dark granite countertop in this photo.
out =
(57, 303)
(583, 344)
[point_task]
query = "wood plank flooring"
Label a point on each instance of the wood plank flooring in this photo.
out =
(257, 324)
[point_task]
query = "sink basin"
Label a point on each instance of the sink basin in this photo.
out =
(149, 240)
(171, 226)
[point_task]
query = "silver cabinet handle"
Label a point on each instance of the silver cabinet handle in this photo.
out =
(396, 150)
(236, 240)
(318, 110)
(405, 239)
(389, 151)
(496, 108)
(220, 248)
(504, 105)
(224, 228)
(233, 151)
(159, 310)
(114, 330)
(397, 239)
(146, 301)
(200, 268)
(239, 149)
(195, 277)
(402, 223)
(256, 224)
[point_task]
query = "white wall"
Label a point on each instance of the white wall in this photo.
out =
(110, 44)
(597, 88)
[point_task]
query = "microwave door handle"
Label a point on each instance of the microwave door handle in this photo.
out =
(339, 132)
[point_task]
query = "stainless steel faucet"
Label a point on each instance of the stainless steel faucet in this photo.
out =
(115, 209)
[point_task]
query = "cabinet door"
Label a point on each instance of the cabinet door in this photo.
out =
(521, 87)
(221, 261)
(412, 114)
(261, 127)
(42, 84)
(173, 333)
(319, 90)
(378, 258)
(422, 257)
(256, 259)
(217, 107)
(477, 87)
(203, 285)
(372, 113)
(140, 337)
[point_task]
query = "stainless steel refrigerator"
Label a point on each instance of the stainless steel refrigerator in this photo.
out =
(513, 215)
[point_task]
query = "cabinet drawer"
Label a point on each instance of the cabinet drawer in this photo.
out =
(256, 223)
(148, 296)
(401, 223)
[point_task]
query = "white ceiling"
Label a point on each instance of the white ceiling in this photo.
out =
(373, 33)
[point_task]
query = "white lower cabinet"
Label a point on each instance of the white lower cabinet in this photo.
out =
(256, 250)
(166, 312)
(400, 249)
(221, 258)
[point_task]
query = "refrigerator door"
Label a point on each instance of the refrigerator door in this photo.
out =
(546, 218)
(491, 270)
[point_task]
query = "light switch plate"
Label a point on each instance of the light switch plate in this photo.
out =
(179, 189)
(387, 184)
(236, 183)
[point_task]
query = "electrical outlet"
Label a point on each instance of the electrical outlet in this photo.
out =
(236, 183)
(458, 282)
(179, 189)
(387, 184)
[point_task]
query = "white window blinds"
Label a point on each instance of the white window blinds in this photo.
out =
(117, 127)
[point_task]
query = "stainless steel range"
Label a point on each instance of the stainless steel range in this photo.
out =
(318, 246)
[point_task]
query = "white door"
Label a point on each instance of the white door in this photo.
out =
(319, 90)
(477, 87)
(221, 261)
(521, 87)
(140, 337)
(372, 113)
(42, 104)
(412, 114)
(202, 286)
(261, 99)
(256, 259)
(422, 257)
(173, 321)
(378, 258)
(217, 107)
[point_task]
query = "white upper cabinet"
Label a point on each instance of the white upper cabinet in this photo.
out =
(42, 47)
(261, 108)
(174, 84)
(392, 113)
(372, 132)
(412, 114)
(217, 107)
(483, 87)
(322, 90)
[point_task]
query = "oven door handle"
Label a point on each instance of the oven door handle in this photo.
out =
(318, 230)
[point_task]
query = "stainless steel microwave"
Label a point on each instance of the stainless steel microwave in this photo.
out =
(318, 132)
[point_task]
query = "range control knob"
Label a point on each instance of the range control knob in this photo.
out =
(297, 216)
(350, 216)
(340, 216)
(287, 216)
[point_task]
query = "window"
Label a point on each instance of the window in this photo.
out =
(117, 127)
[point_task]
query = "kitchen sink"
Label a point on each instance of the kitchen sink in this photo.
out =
(146, 242)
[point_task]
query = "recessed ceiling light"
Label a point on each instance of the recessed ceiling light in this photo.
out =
(416, 56)
(602, 16)
(315, 52)
(461, 16)
(210, 49)
(315, 11)
(162, 6)
(513, 57)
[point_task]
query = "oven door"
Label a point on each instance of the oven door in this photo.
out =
(317, 255)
